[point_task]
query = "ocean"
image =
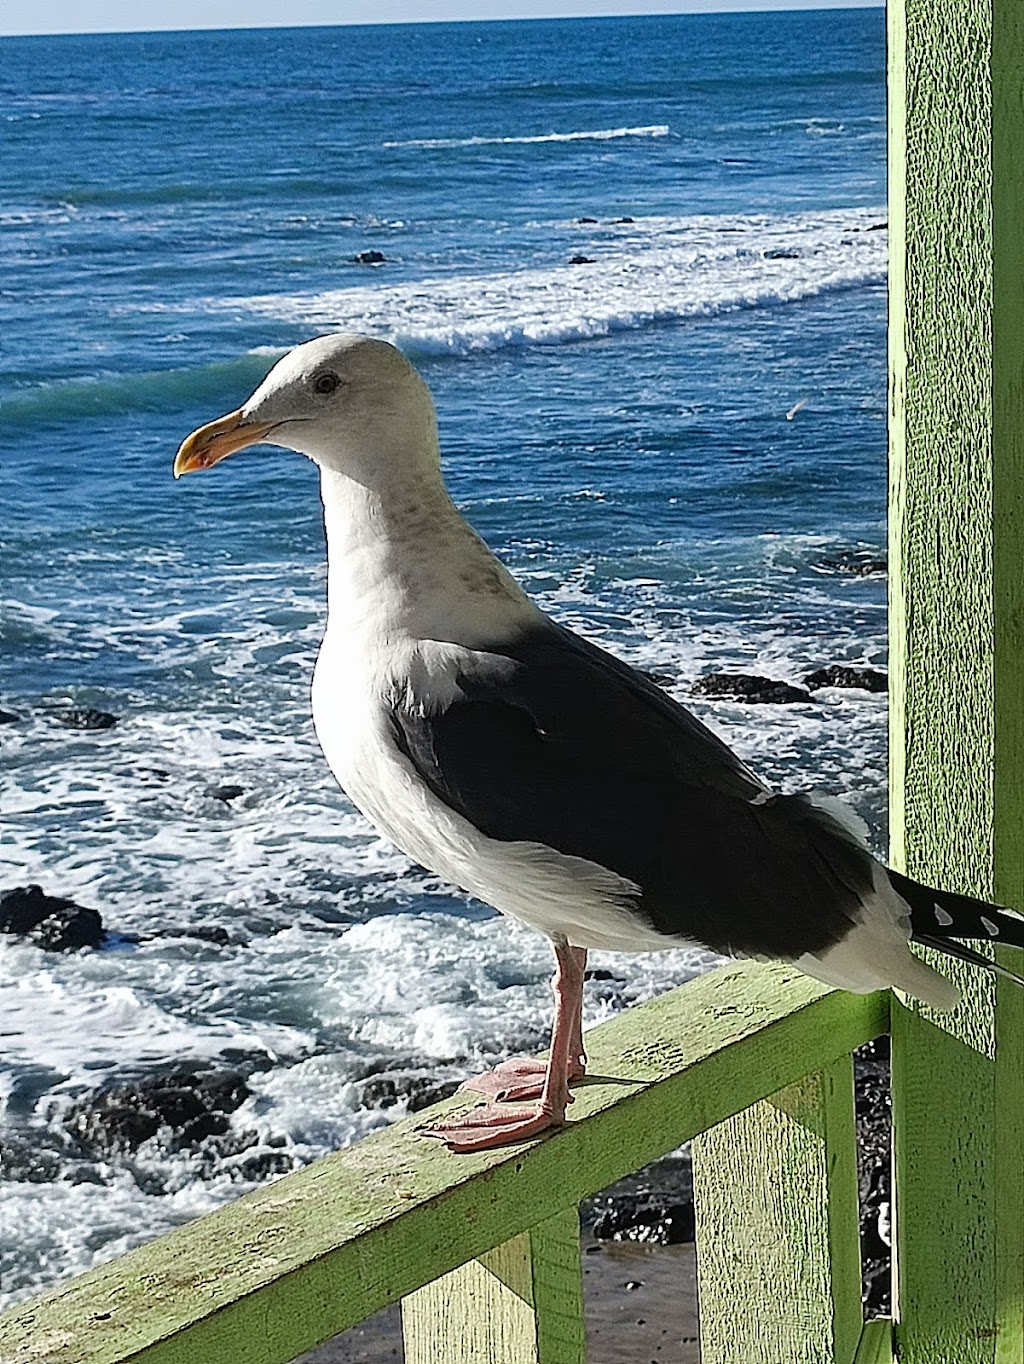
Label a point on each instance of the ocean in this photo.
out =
(641, 263)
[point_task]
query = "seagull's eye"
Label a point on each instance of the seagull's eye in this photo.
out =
(326, 383)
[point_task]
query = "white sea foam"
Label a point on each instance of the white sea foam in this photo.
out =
(58, 1019)
(655, 270)
(341, 951)
(599, 135)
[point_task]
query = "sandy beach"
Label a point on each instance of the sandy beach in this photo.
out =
(640, 1303)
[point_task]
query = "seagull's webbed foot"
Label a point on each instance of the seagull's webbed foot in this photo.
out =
(520, 1078)
(548, 1081)
(495, 1125)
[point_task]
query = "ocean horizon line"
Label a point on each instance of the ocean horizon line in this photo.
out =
(712, 9)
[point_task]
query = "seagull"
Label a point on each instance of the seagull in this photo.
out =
(534, 770)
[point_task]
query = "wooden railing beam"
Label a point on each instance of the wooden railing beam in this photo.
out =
(294, 1263)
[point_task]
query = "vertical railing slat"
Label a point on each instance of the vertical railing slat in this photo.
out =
(521, 1303)
(956, 83)
(778, 1251)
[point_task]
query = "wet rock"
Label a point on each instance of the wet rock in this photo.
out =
(50, 921)
(8, 717)
(86, 717)
(384, 1084)
(625, 220)
(369, 258)
(581, 260)
(227, 793)
(213, 933)
(32, 1155)
(749, 688)
(839, 675)
(654, 1205)
(858, 563)
(781, 254)
(581, 221)
(877, 227)
(185, 1103)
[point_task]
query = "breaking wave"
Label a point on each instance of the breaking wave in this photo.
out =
(660, 270)
(649, 272)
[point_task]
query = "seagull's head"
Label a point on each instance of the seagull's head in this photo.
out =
(353, 404)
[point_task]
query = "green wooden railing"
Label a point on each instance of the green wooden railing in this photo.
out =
(750, 1062)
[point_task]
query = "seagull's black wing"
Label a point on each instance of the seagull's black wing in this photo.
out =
(556, 742)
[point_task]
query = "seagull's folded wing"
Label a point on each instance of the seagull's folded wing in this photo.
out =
(553, 741)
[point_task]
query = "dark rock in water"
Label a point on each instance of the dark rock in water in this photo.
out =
(581, 260)
(384, 1083)
(625, 220)
(419, 1091)
(214, 933)
(859, 563)
(226, 793)
(780, 254)
(876, 227)
(135, 1121)
(654, 1205)
(50, 921)
(32, 1155)
(86, 717)
(839, 675)
(368, 258)
(749, 688)
(8, 717)
(586, 220)
(185, 1102)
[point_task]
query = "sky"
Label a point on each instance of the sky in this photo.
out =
(122, 16)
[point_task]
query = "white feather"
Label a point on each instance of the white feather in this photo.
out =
(877, 955)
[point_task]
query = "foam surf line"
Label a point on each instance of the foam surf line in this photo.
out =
(600, 135)
(654, 272)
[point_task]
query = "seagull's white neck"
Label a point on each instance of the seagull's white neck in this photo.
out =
(402, 563)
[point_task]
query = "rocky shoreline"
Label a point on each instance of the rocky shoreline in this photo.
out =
(138, 1119)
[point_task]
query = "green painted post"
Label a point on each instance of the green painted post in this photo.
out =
(956, 80)
(778, 1249)
(521, 1303)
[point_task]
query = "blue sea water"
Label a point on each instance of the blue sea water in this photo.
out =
(670, 443)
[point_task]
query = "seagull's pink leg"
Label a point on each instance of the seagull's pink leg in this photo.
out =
(497, 1125)
(522, 1077)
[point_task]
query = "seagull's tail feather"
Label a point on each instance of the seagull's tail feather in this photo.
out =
(952, 948)
(939, 917)
(943, 914)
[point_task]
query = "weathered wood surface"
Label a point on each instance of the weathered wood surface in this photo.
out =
(957, 635)
(778, 1231)
(876, 1343)
(290, 1265)
(521, 1303)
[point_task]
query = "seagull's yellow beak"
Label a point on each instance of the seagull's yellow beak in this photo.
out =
(213, 442)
